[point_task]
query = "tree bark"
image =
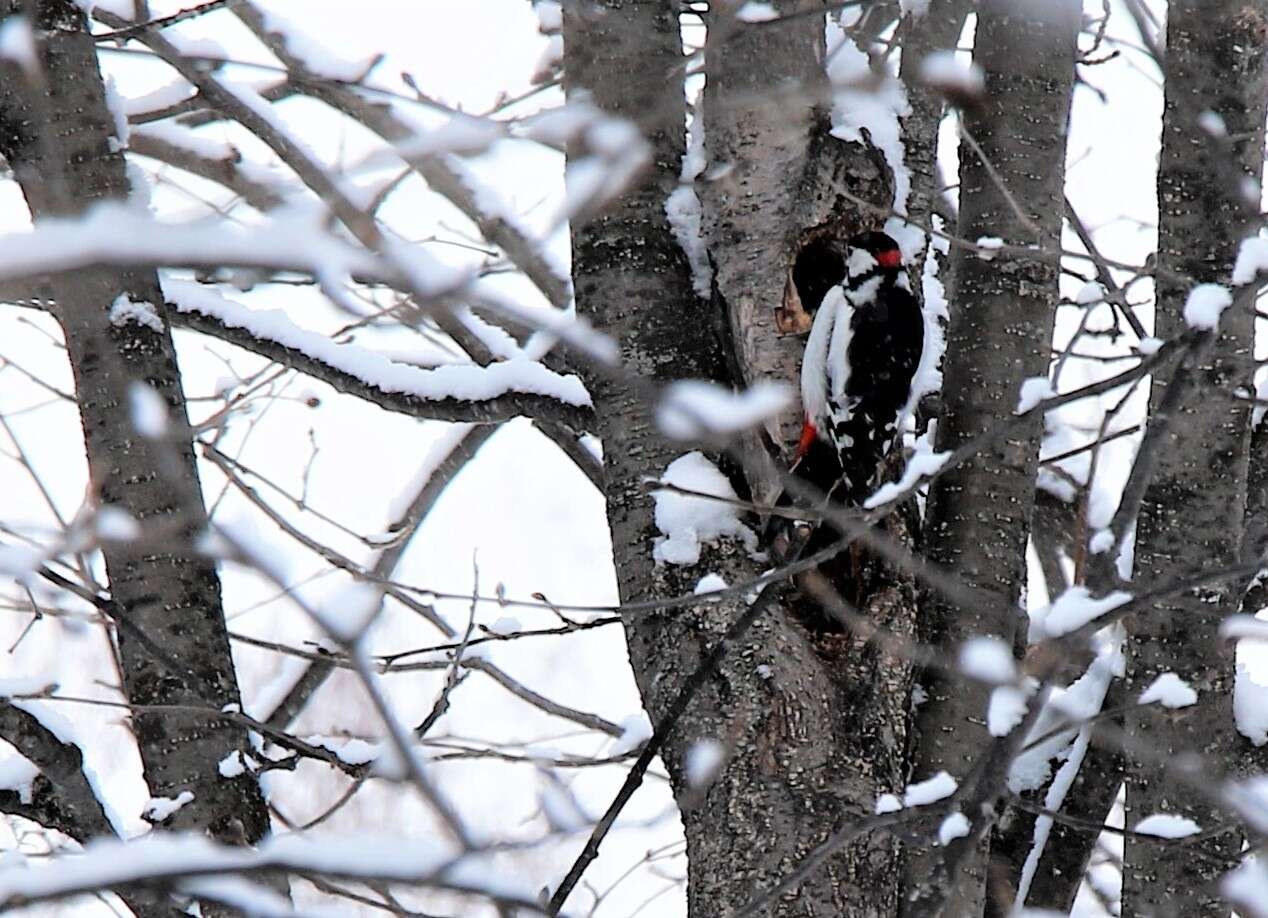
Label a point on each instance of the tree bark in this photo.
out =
(1194, 506)
(809, 744)
(999, 335)
(55, 131)
(937, 29)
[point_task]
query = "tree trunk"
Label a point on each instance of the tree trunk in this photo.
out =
(1193, 509)
(999, 335)
(56, 132)
(793, 719)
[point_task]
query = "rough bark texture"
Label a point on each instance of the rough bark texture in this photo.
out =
(812, 737)
(937, 29)
(1192, 512)
(999, 335)
(56, 133)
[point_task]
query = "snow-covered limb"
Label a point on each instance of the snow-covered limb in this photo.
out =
(216, 162)
(65, 795)
(1247, 887)
(117, 234)
(694, 409)
(163, 858)
(316, 58)
(924, 462)
(1072, 610)
(454, 393)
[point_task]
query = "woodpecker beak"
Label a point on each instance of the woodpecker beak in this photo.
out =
(791, 318)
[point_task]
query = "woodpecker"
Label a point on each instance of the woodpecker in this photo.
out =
(856, 376)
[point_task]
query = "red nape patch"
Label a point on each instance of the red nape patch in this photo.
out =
(890, 258)
(808, 435)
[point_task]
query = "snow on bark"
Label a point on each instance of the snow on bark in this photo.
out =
(687, 522)
(1243, 627)
(954, 826)
(887, 803)
(160, 808)
(988, 247)
(683, 209)
(1167, 825)
(125, 309)
(1056, 795)
(1170, 691)
(117, 234)
(931, 790)
(119, 112)
(709, 583)
(928, 376)
(1205, 304)
(167, 95)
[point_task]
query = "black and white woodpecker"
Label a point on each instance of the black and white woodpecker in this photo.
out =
(866, 338)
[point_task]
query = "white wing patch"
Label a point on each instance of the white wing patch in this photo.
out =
(818, 363)
(839, 349)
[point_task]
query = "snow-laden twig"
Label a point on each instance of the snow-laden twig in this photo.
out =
(455, 392)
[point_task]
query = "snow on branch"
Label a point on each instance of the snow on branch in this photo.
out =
(695, 409)
(48, 781)
(116, 234)
(164, 858)
(486, 394)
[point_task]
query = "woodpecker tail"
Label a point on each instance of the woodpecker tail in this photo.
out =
(818, 464)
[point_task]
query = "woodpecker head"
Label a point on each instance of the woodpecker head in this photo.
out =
(823, 263)
(870, 250)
